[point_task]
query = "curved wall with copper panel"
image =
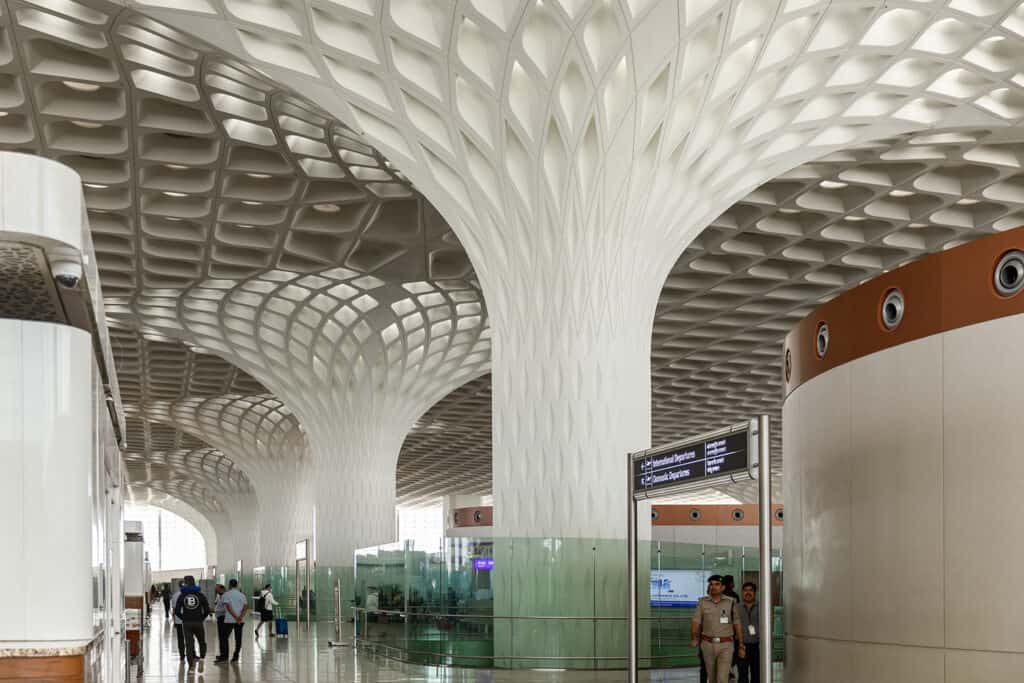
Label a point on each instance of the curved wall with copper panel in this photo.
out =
(903, 473)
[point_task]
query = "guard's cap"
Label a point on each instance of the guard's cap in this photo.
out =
(715, 577)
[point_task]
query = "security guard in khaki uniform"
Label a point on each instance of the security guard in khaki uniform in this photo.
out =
(716, 627)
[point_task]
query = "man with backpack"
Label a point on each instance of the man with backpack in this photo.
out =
(192, 608)
(265, 604)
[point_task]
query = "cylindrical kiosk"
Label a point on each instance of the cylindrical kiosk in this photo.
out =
(60, 424)
(903, 474)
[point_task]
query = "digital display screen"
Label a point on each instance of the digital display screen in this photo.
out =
(483, 563)
(677, 587)
(701, 460)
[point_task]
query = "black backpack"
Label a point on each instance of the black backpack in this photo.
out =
(261, 604)
(194, 606)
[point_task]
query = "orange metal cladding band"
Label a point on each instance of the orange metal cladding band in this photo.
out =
(941, 292)
(482, 515)
(710, 515)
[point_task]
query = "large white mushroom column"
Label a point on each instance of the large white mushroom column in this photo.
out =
(265, 440)
(207, 483)
(576, 148)
(357, 361)
(903, 474)
(212, 526)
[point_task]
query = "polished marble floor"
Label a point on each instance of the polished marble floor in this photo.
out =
(305, 657)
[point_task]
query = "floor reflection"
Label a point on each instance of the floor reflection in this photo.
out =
(305, 657)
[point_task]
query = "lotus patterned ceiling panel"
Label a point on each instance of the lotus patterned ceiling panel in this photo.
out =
(196, 166)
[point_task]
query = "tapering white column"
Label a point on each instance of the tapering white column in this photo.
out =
(356, 359)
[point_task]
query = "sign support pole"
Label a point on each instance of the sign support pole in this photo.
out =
(631, 574)
(673, 469)
(764, 628)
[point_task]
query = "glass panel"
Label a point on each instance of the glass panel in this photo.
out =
(533, 602)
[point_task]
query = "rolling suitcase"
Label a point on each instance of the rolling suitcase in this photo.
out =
(281, 627)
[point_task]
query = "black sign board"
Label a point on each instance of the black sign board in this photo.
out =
(713, 457)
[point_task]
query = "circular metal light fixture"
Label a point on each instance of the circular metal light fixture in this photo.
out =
(738, 514)
(778, 514)
(821, 340)
(695, 514)
(1009, 275)
(892, 309)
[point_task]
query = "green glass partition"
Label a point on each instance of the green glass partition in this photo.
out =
(530, 602)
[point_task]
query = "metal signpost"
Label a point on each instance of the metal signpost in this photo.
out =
(737, 453)
(338, 618)
(302, 577)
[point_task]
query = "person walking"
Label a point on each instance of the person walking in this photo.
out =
(266, 610)
(165, 595)
(716, 627)
(193, 608)
(729, 589)
(700, 658)
(177, 621)
(218, 613)
(235, 609)
(750, 665)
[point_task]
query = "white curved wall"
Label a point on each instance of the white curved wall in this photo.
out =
(902, 488)
(42, 198)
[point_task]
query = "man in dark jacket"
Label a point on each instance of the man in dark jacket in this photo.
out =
(192, 608)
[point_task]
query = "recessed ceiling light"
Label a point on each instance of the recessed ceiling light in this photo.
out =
(856, 218)
(177, 167)
(4, 113)
(832, 185)
(82, 87)
(96, 186)
(244, 225)
(249, 202)
(261, 176)
(173, 218)
(174, 194)
(967, 202)
(87, 124)
(900, 193)
(327, 208)
(789, 211)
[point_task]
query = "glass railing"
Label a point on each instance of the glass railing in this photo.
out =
(468, 640)
(537, 602)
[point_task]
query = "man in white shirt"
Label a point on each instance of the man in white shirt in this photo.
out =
(235, 609)
(266, 610)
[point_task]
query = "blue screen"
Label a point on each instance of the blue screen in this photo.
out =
(677, 587)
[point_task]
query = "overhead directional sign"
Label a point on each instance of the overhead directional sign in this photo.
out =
(729, 454)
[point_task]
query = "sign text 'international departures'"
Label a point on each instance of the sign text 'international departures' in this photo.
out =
(713, 457)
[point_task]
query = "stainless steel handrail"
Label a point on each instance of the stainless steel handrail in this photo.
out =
(512, 617)
(447, 655)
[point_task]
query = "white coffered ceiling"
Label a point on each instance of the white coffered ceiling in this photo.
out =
(202, 174)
